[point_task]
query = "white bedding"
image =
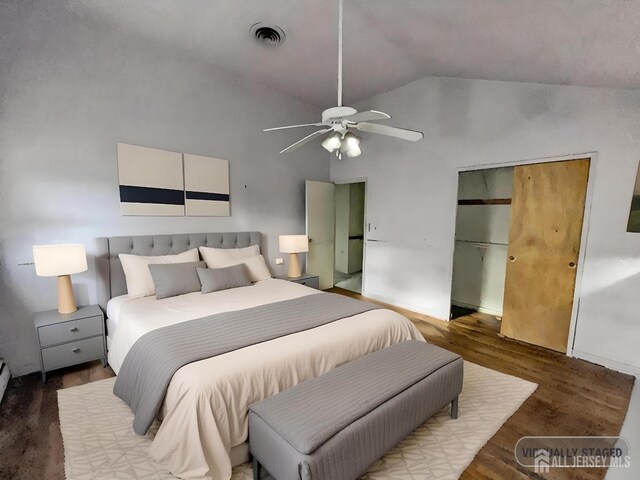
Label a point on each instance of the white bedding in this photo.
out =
(113, 308)
(205, 408)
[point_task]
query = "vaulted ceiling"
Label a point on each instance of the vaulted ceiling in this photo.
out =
(389, 43)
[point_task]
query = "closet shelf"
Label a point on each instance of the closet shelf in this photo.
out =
(483, 244)
(485, 201)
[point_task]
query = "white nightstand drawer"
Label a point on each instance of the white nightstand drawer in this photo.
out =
(71, 330)
(72, 353)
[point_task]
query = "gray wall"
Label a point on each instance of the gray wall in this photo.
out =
(70, 89)
(411, 200)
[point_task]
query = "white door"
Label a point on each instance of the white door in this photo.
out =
(320, 229)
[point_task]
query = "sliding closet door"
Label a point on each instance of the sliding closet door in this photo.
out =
(544, 240)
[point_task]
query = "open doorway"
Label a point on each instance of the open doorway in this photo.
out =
(335, 218)
(349, 235)
(517, 247)
(482, 235)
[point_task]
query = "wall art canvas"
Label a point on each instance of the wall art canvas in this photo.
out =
(151, 181)
(206, 182)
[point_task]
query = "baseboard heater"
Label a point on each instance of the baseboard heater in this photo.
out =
(4, 377)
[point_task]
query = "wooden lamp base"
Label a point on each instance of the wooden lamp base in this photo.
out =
(66, 301)
(294, 266)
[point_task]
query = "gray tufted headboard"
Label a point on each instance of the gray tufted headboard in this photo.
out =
(110, 276)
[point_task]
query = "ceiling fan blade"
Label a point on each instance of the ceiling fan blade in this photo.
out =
(306, 139)
(367, 116)
(402, 133)
(295, 126)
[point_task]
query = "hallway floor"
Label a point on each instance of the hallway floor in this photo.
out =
(351, 282)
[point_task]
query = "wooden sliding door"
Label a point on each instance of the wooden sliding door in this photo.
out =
(547, 211)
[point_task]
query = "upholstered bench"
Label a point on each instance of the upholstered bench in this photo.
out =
(335, 426)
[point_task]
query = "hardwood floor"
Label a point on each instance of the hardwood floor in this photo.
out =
(30, 439)
(483, 321)
(574, 398)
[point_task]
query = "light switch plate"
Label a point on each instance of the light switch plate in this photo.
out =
(279, 261)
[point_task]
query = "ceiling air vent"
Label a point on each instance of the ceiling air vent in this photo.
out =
(269, 35)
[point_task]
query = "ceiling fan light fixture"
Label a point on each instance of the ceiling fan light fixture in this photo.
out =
(332, 142)
(349, 142)
(354, 151)
(352, 145)
(352, 139)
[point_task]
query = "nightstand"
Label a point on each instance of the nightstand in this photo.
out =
(69, 339)
(308, 279)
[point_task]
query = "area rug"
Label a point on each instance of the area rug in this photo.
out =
(99, 443)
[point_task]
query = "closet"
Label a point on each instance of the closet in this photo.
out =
(518, 232)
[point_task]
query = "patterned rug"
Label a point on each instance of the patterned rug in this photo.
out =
(99, 443)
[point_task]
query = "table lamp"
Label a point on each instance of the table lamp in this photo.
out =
(294, 244)
(61, 261)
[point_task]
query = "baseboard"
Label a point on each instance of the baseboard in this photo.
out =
(407, 306)
(488, 311)
(608, 363)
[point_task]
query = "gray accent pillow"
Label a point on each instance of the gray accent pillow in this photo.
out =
(174, 279)
(214, 279)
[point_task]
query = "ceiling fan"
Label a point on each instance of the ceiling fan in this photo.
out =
(342, 120)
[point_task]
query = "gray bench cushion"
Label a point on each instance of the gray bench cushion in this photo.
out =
(314, 411)
(336, 425)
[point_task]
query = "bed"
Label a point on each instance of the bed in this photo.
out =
(204, 416)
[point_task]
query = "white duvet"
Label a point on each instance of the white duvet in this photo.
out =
(205, 408)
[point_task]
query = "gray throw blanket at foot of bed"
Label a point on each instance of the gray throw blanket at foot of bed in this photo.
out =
(150, 364)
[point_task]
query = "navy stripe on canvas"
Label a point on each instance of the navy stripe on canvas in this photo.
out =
(163, 196)
(218, 197)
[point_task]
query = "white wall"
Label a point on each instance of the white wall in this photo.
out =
(70, 89)
(412, 192)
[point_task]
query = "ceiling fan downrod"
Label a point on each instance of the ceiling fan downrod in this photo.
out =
(340, 122)
(340, 15)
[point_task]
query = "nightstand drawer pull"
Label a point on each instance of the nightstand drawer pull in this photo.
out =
(74, 329)
(75, 350)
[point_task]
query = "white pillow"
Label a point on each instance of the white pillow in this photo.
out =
(136, 270)
(256, 267)
(226, 257)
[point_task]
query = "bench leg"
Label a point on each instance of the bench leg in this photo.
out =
(454, 408)
(256, 469)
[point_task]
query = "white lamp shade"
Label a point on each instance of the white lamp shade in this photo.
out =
(56, 260)
(332, 142)
(293, 243)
